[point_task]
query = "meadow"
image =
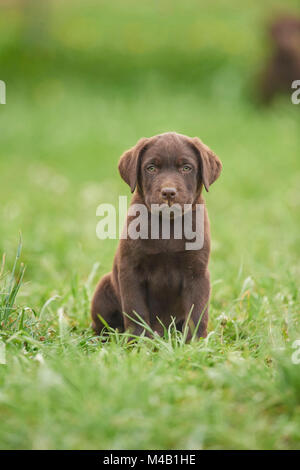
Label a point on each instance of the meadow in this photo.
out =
(86, 80)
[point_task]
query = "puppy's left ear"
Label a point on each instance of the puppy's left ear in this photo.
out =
(210, 164)
(129, 163)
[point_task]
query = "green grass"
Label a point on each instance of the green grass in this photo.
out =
(61, 138)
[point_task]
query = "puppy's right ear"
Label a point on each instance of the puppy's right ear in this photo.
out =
(129, 163)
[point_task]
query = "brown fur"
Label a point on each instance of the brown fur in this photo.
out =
(159, 278)
(284, 66)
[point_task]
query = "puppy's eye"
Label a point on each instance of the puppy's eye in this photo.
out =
(186, 168)
(151, 168)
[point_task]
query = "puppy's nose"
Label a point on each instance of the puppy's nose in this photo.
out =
(168, 193)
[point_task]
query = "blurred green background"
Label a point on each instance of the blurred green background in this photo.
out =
(85, 80)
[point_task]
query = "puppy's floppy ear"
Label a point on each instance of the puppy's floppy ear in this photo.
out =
(210, 164)
(129, 163)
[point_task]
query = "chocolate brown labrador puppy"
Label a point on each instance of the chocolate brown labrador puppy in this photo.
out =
(159, 278)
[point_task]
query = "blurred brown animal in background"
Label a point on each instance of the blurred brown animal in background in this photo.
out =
(284, 65)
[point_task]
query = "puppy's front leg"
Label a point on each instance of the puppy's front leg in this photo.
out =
(198, 298)
(133, 295)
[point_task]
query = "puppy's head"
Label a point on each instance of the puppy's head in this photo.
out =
(169, 168)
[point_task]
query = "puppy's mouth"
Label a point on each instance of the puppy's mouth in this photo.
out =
(169, 210)
(173, 208)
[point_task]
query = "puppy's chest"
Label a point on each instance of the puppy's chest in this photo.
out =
(163, 274)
